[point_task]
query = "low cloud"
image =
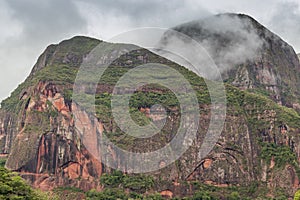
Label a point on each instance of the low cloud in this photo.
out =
(27, 28)
(285, 21)
(46, 19)
(107, 18)
(228, 39)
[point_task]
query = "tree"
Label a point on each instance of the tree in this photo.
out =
(13, 186)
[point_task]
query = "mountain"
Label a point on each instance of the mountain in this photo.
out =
(256, 156)
(249, 56)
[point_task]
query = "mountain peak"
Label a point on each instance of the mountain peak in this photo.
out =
(70, 51)
(249, 55)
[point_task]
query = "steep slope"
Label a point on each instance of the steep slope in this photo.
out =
(258, 151)
(249, 55)
(37, 126)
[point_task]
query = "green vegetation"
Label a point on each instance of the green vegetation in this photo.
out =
(69, 193)
(42, 195)
(288, 115)
(297, 195)
(112, 180)
(136, 182)
(203, 195)
(13, 187)
(282, 156)
(255, 190)
(78, 45)
(139, 183)
(106, 194)
(71, 189)
(116, 193)
(2, 162)
(147, 99)
(260, 91)
(122, 186)
(58, 73)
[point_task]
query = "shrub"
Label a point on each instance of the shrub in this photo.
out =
(139, 183)
(13, 186)
(234, 196)
(106, 194)
(202, 195)
(112, 180)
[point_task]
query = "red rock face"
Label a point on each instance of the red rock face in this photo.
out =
(60, 158)
(166, 194)
(207, 163)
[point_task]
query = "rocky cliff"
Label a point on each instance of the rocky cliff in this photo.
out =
(37, 126)
(249, 55)
(258, 150)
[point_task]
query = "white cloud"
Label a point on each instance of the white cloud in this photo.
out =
(10, 26)
(285, 21)
(27, 28)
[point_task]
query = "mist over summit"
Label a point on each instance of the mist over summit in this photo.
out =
(247, 54)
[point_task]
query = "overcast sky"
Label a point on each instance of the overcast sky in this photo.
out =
(29, 26)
